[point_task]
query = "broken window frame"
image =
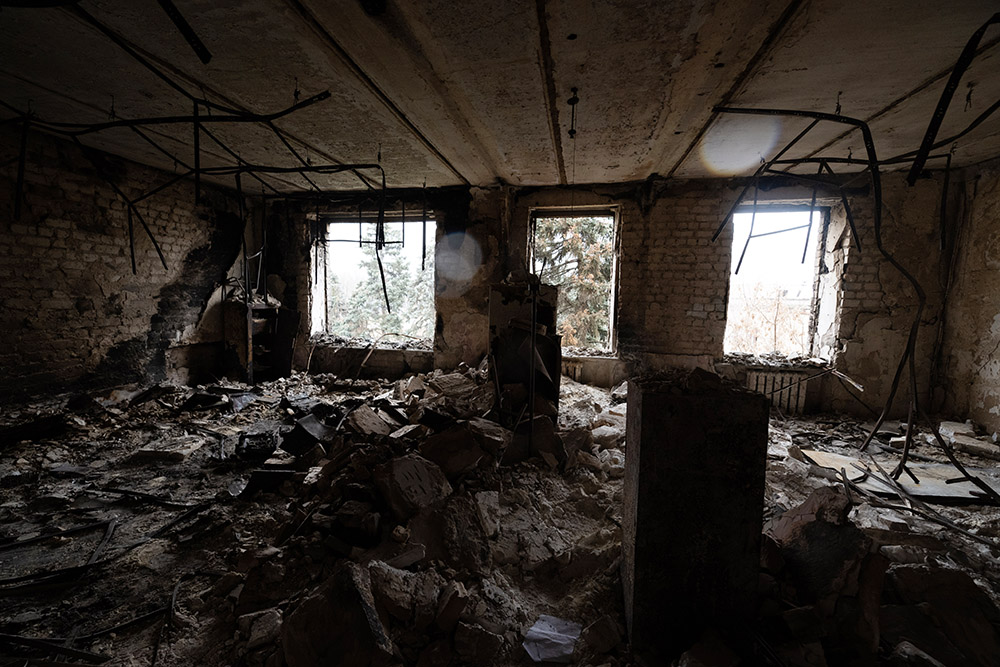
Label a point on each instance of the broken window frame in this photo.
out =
(614, 212)
(818, 224)
(322, 222)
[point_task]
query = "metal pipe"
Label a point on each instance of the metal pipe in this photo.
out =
(964, 60)
(812, 209)
(237, 117)
(197, 158)
(753, 219)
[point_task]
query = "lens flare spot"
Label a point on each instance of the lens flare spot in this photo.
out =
(736, 143)
(457, 258)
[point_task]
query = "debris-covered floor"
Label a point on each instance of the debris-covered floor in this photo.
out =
(315, 520)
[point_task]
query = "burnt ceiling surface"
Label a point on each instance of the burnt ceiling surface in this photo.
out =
(446, 93)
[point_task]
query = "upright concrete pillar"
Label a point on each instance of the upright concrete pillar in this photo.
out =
(694, 490)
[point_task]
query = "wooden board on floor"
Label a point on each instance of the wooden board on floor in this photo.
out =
(932, 476)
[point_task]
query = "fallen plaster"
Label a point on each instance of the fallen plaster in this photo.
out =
(250, 506)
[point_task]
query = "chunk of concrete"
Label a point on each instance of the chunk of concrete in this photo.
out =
(265, 629)
(337, 624)
(490, 436)
(410, 597)
(452, 602)
(488, 510)
(949, 430)
(608, 436)
(365, 421)
(410, 483)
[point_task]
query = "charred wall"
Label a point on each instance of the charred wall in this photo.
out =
(469, 233)
(74, 313)
(877, 304)
(970, 361)
(673, 281)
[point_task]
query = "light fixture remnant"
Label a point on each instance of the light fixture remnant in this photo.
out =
(572, 102)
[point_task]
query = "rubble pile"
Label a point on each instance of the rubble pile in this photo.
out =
(318, 520)
(315, 521)
(848, 577)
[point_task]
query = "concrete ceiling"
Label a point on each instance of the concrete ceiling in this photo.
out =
(476, 92)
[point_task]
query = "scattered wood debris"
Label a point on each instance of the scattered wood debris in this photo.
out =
(399, 524)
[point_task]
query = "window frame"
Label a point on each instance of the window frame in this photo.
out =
(323, 221)
(819, 250)
(612, 211)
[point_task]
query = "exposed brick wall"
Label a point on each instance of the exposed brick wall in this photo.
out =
(72, 312)
(462, 305)
(672, 280)
(878, 303)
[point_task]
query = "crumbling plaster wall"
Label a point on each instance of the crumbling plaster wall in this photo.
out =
(970, 361)
(877, 303)
(71, 309)
(470, 255)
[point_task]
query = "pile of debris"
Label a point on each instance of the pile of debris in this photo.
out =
(315, 519)
(421, 534)
(851, 575)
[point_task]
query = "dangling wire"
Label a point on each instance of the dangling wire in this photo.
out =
(572, 102)
(423, 247)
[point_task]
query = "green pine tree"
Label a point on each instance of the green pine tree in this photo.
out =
(578, 254)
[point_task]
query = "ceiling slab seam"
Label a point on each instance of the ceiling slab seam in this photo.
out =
(769, 42)
(317, 27)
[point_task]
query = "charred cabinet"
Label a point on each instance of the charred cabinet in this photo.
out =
(526, 351)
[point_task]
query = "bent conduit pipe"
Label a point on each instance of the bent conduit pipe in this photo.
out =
(876, 180)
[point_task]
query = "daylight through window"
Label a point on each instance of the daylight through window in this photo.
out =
(348, 301)
(576, 253)
(771, 288)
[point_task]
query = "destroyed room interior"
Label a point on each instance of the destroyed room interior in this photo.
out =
(612, 333)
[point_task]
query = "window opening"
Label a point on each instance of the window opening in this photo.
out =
(772, 287)
(576, 253)
(348, 300)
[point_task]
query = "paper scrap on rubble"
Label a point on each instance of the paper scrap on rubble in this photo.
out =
(551, 639)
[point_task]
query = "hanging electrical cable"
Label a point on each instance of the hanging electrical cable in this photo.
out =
(423, 245)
